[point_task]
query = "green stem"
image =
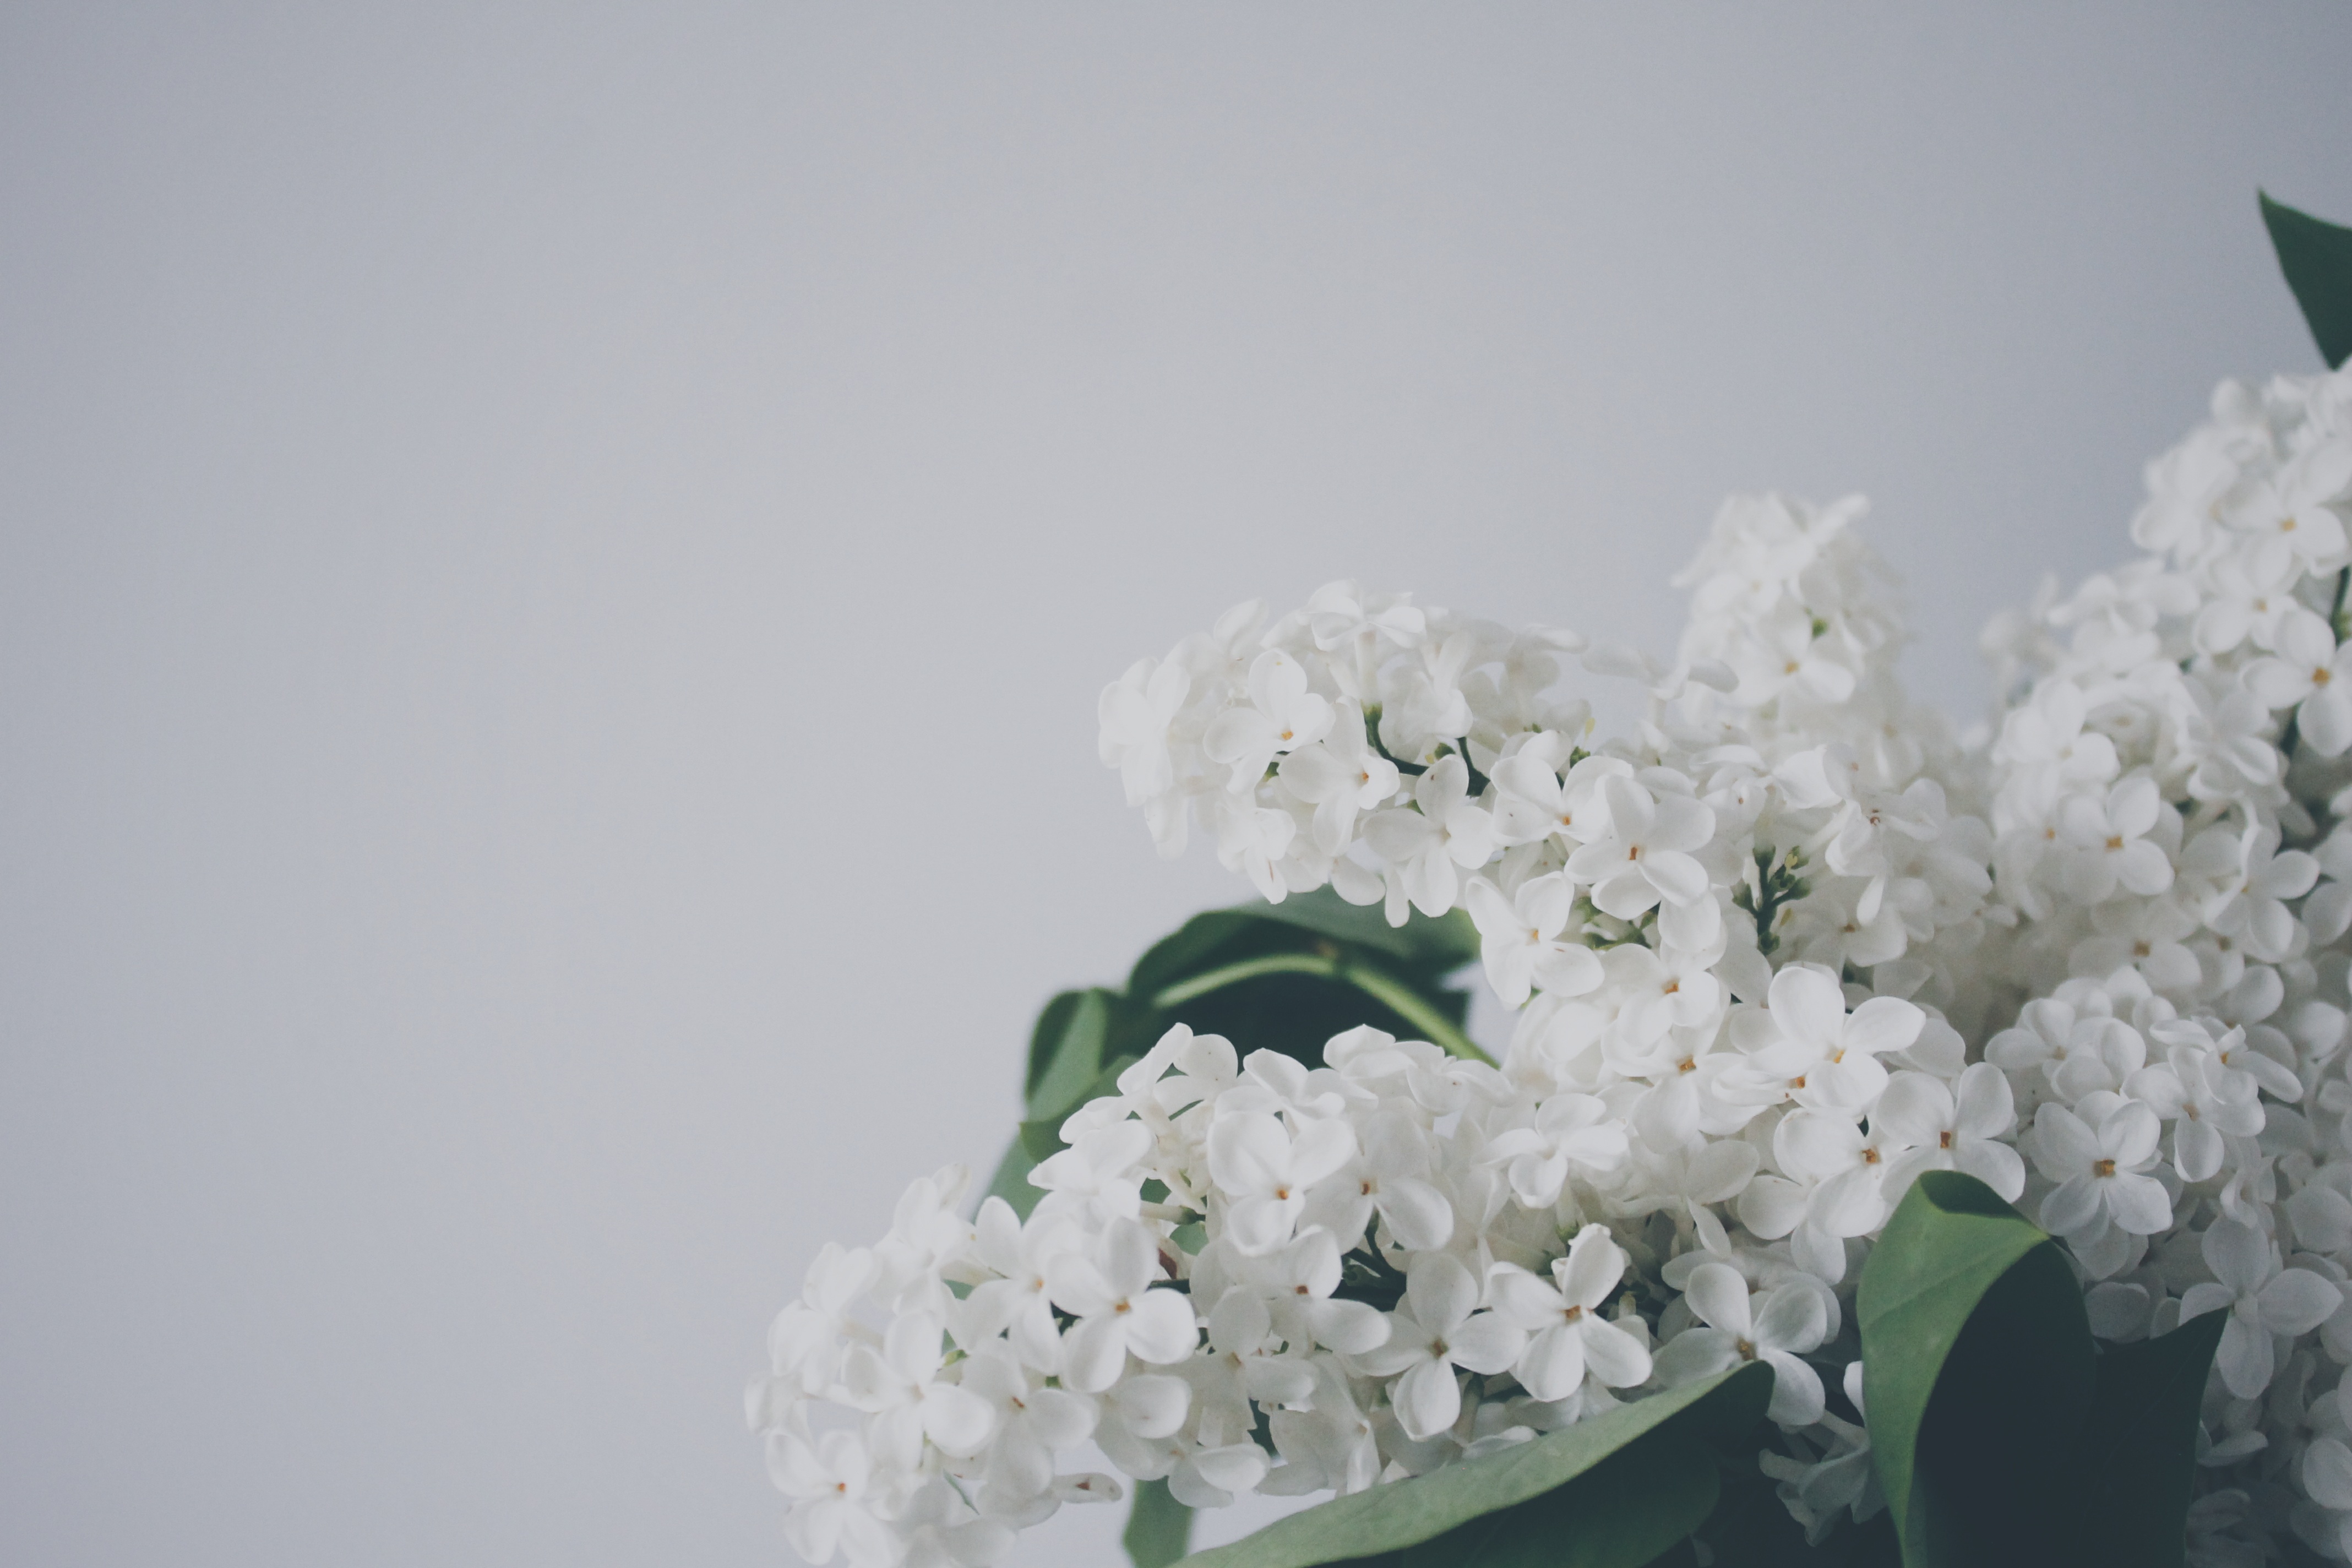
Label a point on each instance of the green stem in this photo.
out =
(1392, 993)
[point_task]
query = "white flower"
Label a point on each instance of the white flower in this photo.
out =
(1784, 654)
(900, 1384)
(1804, 1032)
(2289, 516)
(1432, 846)
(1849, 1168)
(1299, 1281)
(1959, 1128)
(2204, 1101)
(832, 1484)
(1568, 1335)
(1283, 714)
(2249, 901)
(1389, 1177)
(1135, 710)
(1340, 776)
(1244, 1350)
(1213, 1478)
(2048, 734)
(1108, 1288)
(1777, 1328)
(1033, 1423)
(1436, 1328)
(1268, 1174)
(2262, 1299)
(2111, 848)
(2099, 1172)
(1016, 1300)
(2312, 676)
(805, 1342)
(1645, 854)
(1522, 945)
(1570, 1130)
(1095, 1179)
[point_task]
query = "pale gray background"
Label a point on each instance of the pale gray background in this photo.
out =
(555, 565)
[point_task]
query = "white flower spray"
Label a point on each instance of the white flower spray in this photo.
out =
(1772, 956)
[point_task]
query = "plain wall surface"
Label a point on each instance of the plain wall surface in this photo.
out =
(555, 565)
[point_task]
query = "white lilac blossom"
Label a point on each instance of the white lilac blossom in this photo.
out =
(1783, 947)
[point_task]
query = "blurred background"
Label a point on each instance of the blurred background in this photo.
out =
(556, 561)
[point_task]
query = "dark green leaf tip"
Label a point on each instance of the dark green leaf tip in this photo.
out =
(2316, 257)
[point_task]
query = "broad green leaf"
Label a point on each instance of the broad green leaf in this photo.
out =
(1623, 1513)
(1065, 1051)
(1751, 1528)
(1444, 942)
(1011, 1181)
(1159, 1528)
(2316, 257)
(1421, 945)
(1290, 976)
(1977, 1362)
(1389, 1519)
(1287, 976)
(1042, 1137)
(2137, 1457)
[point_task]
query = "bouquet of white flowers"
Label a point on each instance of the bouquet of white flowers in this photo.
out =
(1909, 1146)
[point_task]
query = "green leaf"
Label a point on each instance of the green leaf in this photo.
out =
(1978, 1366)
(1289, 977)
(1444, 942)
(1421, 949)
(1652, 1480)
(1041, 1140)
(1751, 1528)
(1065, 1051)
(1011, 1181)
(1159, 1528)
(2316, 257)
(2137, 1457)
(1623, 1512)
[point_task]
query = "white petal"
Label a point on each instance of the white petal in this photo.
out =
(1797, 1397)
(2328, 1473)
(2239, 1256)
(1418, 1215)
(1440, 1290)
(1427, 1400)
(2244, 1357)
(1614, 1355)
(1792, 1320)
(959, 1421)
(1485, 1344)
(1720, 1296)
(1094, 1352)
(2298, 1301)
(1552, 1367)
(1160, 1328)
(2140, 1204)
(1351, 1328)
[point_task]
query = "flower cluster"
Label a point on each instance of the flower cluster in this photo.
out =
(1772, 954)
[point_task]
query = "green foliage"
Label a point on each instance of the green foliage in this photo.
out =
(1159, 1528)
(1284, 977)
(1999, 1430)
(1611, 1492)
(2316, 257)
(1961, 1283)
(2138, 1455)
